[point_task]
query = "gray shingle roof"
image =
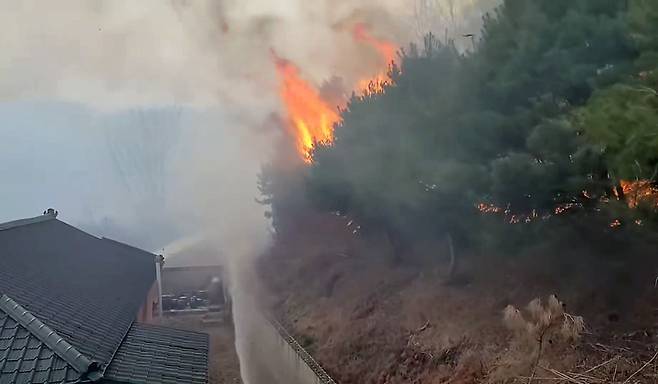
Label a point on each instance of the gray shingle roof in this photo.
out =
(31, 352)
(70, 302)
(86, 289)
(155, 354)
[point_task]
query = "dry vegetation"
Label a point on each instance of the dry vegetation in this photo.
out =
(370, 321)
(541, 325)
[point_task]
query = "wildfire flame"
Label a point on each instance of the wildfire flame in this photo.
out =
(633, 193)
(387, 52)
(311, 118)
(638, 192)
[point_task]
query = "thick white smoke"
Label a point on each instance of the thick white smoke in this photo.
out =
(121, 53)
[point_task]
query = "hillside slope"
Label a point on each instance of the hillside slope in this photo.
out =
(368, 320)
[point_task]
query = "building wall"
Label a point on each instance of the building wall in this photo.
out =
(148, 312)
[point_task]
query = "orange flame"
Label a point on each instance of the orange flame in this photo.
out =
(387, 52)
(639, 192)
(311, 118)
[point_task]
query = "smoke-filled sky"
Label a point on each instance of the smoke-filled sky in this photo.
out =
(146, 120)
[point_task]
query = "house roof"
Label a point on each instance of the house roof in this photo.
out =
(156, 354)
(31, 352)
(84, 289)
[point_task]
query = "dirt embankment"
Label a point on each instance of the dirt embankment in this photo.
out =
(368, 320)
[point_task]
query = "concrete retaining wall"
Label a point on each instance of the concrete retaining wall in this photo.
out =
(275, 357)
(307, 369)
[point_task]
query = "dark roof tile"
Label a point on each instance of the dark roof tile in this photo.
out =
(46, 354)
(154, 354)
(27, 359)
(20, 342)
(10, 366)
(57, 375)
(90, 291)
(7, 378)
(28, 364)
(34, 343)
(31, 353)
(24, 377)
(44, 364)
(76, 298)
(40, 377)
(8, 333)
(59, 364)
(15, 353)
(71, 375)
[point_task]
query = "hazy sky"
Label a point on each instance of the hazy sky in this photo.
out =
(145, 120)
(46, 153)
(105, 171)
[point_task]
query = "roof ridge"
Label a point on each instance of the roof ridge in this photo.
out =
(114, 354)
(48, 336)
(192, 267)
(30, 220)
(128, 247)
(176, 357)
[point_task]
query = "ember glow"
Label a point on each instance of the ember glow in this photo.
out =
(635, 194)
(639, 192)
(488, 208)
(311, 118)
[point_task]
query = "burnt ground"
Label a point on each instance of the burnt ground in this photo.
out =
(224, 366)
(368, 320)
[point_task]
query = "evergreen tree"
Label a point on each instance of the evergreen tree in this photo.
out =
(497, 125)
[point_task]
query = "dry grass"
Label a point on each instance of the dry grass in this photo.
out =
(372, 322)
(540, 324)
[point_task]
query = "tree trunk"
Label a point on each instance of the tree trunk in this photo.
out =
(397, 245)
(452, 269)
(619, 190)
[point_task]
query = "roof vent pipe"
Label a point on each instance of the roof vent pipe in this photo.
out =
(51, 212)
(159, 262)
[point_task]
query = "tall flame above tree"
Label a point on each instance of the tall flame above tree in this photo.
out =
(311, 117)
